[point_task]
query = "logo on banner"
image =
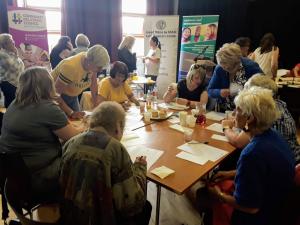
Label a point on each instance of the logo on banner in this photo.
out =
(17, 18)
(161, 24)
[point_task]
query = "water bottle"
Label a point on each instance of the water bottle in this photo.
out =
(149, 100)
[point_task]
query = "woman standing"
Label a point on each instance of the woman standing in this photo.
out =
(152, 59)
(125, 54)
(267, 54)
(61, 51)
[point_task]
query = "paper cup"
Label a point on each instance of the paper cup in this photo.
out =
(182, 118)
(147, 117)
(191, 120)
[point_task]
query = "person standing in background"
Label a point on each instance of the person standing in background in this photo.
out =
(125, 53)
(244, 43)
(82, 43)
(61, 51)
(267, 54)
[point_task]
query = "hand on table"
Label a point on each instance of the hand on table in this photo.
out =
(77, 115)
(182, 101)
(141, 160)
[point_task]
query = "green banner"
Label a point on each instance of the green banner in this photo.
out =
(198, 40)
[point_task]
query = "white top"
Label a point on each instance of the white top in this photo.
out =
(152, 68)
(264, 60)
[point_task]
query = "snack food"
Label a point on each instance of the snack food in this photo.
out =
(162, 113)
(154, 113)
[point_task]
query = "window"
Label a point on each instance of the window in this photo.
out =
(133, 13)
(53, 17)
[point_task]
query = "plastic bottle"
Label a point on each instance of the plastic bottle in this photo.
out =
(154, 94)
(149, 100)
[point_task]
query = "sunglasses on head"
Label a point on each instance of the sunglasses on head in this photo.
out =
(198, 66)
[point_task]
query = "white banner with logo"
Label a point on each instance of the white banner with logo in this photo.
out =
(165, 28)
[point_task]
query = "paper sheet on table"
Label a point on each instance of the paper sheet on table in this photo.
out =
(219, 137)
(192, 158)
(131, 139)
(162, 172)
(206, 152)
(180, 128)
(152, 155)
(174, 119)
(215, 127)
(215, 116)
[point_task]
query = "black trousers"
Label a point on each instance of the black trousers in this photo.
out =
(9, 92)
(149, 86)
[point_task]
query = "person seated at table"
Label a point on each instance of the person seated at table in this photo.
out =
(77, 73)
(295, 72)
(61, 50)
(285, 124)
(190, 90)
(33, 125)
(115, 87)
(100, 184)
(264, 175)
(230, 75)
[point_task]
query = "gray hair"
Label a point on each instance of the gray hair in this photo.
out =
(259, 103)
(35, 85)
(196, 69)
(82, 41)
(108, 115)
(127, 42)
(263, 81)
(4, 39)
(229, 54)
(98, 56)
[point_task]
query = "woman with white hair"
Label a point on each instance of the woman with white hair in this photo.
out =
(82, 43)
(285, 124)
(230, 75)
(190, 90)
(125, 53)
(33, 125)
(77, 73)
(265, 169)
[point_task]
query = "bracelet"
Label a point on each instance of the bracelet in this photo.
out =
(71, 113)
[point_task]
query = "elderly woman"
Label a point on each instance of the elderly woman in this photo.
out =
(11, 66)
(230, 75)
(190, 90)
(285, 124)
(266, 167)
(60, 51)
(82, 43)
(115, 88)
(97, 164)
(33, 125)
(125, 53)
(77, 73)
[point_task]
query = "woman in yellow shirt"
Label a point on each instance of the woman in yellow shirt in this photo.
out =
(115, 88)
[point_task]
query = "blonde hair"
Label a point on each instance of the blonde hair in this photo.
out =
(98, 56)
(229, 54)
(4, 39)
(196, 69)
(263, 81)
(108, 115)
(35, 85)
(127, 42)
(82, 41)
(259, 103)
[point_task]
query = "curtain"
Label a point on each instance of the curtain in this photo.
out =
(100, 20)
(3, 16)
(161, 7)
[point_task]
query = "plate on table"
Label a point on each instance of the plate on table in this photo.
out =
(168, 114)
(175, 106)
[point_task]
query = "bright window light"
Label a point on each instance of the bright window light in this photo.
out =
(132, 25)
(44, 3)
(53, 20)
(138, 46)
(52, 40)
(20, 3)
(133, 6)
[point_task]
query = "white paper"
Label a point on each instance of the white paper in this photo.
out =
(215, 127)
(180, 128)
(215, 116)
(131, 139)
(152, 155)
(174, 119)
(173, 105)
(219, 137)
(191, 158)
(206, 152)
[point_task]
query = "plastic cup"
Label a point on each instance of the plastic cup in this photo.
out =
(195, 112)
(182, 118)
(147, 117)
(191, 120)
(142, 107)
(188, 135)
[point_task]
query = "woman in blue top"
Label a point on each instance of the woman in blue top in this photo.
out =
(230, 75)
(266, 167)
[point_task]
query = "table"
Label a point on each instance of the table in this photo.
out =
(141, 83)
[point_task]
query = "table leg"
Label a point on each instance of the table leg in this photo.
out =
(157, 204)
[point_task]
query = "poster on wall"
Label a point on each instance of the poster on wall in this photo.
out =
(165, 28)
(198, 40)
(29, 31)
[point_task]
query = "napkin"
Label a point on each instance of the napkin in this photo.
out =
(180, 128)
(162, 171)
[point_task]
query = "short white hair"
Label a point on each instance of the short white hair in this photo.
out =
(98, 56)
(263, 81)
(259, 103)
(108, 115)
(82, 41)
(229, 54)
(4, 39)
(127, 42)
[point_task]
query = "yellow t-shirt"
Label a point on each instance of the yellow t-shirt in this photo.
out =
(110, 93)
(71, 72)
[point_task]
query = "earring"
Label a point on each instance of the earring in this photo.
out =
(246, 128)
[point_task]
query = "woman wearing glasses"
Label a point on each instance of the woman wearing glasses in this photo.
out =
(190, 90)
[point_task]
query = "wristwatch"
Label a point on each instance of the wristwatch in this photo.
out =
(225, 127)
